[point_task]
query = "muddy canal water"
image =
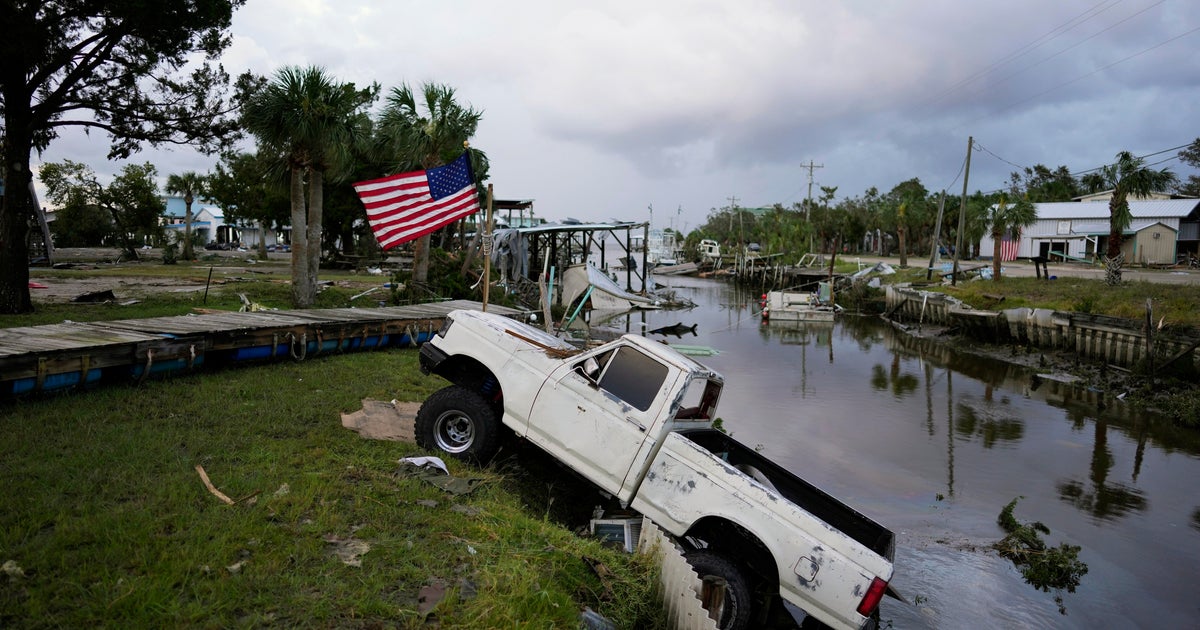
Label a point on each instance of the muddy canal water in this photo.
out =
(933, 444)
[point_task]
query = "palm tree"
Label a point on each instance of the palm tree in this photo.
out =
(312, 122)
(190, 185)
(1127, 176)
(412, 140)
(1004, 217)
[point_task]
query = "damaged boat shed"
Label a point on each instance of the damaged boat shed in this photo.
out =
(524, 254)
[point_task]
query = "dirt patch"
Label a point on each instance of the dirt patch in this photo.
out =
(55, 288)
(62, 290)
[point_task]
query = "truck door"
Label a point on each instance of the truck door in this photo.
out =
(594, 413)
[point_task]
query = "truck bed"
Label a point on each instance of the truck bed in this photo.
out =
(807, 496)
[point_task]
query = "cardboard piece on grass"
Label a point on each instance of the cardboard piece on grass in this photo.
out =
(384, 420)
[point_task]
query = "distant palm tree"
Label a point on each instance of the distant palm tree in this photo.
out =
(1127, 176)
(1008, 216)
(414, 139)
(190, 185)
(312, 122)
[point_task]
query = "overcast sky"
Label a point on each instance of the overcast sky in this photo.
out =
(598, 113)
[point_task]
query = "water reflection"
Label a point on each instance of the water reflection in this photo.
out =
(991, 420)
(900, 383)
(1103, 499)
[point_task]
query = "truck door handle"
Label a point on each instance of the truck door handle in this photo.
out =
(635, 423)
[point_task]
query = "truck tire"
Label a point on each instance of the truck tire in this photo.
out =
(737, 612)
(460, 423)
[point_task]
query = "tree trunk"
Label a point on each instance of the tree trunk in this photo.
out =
(903, 249)
(1112, 269)
(262, 241)
(316, 208)
(996, 256)
(188, 252)
(301, 297)
(15, 210)
(1115, 229)
(421, 260)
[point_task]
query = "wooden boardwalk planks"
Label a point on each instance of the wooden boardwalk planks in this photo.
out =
(57, 356)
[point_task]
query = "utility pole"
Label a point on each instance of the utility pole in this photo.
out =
(962, 212)
(937, 233)
(808, 204)
(741, 229)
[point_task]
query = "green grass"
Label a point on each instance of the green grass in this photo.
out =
(109, 522)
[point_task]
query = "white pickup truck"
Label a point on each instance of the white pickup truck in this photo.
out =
(635, 418)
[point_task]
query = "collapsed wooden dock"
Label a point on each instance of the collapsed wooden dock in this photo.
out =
(73, 354)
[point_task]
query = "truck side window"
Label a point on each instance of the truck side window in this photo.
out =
(592, 367)
(633, 377)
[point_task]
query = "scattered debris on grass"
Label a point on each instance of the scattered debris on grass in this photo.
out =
(251, 498)
(433, 470)
(211, 488)
(12, 569)
(93, 297)
(349, 550)
(430, 595)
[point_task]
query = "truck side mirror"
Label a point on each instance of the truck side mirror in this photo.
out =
(591, 369)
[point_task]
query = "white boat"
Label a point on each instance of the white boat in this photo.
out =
(602, 290)
(796, 306)
(661, 249)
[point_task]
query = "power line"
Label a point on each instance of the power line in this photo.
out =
(960, 172)
(1140, 157)
(989, 152)
(1096, 71)
(1090, 170)
(1049, 36)
(1073, 46)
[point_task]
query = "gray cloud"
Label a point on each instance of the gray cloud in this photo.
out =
(598, 112)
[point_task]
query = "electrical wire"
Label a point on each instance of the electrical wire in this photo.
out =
(1047, 37)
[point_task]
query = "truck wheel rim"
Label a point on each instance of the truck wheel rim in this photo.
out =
(454, 432)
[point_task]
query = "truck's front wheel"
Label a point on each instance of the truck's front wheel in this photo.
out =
(736, 613)
(459, 422)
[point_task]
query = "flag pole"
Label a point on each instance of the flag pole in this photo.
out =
(487, 250)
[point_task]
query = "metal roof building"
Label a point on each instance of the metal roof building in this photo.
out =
(1079, 230)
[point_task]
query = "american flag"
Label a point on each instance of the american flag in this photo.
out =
(1009, 244)
(406, 206)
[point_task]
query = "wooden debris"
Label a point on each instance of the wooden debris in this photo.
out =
(211, 488)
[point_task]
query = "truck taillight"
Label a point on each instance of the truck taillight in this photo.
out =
(870, 601)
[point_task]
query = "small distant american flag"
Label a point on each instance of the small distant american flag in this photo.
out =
(1009, 244)
(406, 206)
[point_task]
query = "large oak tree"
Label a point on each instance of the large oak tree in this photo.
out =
(125, 67)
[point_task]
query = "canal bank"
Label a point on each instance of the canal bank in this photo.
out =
(1145, 362)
